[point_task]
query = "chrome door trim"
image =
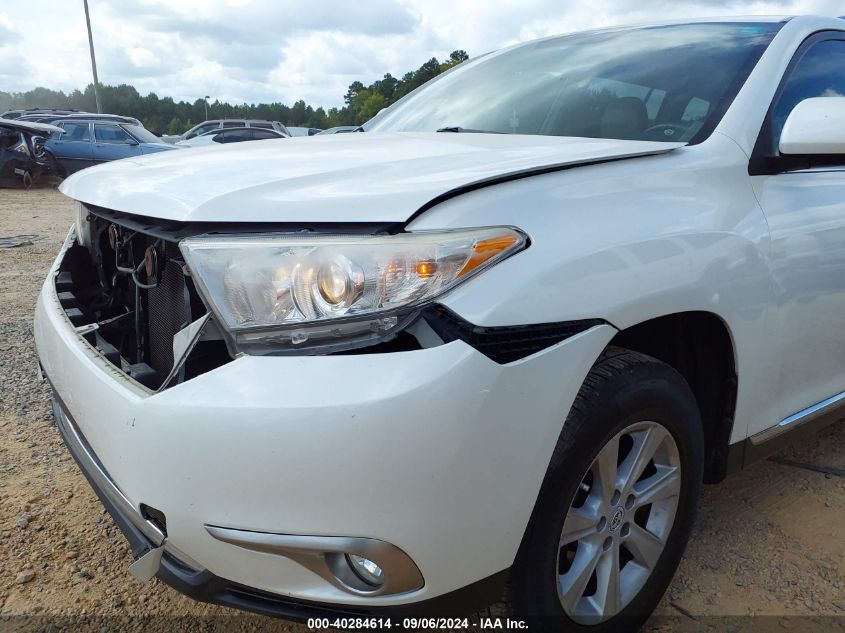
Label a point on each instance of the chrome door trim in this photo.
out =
(800, 418)
(816, 170)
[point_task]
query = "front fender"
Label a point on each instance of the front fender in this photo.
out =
(628, 242)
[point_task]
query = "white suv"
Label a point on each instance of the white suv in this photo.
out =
(496, 341)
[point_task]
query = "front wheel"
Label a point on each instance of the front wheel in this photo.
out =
(617, 506)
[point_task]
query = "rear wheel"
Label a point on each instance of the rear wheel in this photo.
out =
(618, 502)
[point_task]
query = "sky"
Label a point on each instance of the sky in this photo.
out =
(249, 51)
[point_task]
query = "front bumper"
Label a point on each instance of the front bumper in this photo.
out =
(204, 586)
(439, 452)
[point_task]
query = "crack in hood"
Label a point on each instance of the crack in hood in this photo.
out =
(359, 177)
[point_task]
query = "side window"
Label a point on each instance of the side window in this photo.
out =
(203, 129)
(237, 136)
(115, 134)
(820, 72)
(76, 132)
(234, 123)
(263, 134)
(261, 124)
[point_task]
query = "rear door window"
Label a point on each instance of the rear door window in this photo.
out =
(79, 132)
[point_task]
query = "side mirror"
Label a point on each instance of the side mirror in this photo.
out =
(815, 126)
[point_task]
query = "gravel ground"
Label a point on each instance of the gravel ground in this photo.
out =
(769, 541)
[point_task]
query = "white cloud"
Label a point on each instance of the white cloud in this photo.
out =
(283, 50)
(143, 57)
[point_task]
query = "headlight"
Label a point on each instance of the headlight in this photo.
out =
(290, 292)
(82, 224)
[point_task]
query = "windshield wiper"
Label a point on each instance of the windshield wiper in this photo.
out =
(456, 129)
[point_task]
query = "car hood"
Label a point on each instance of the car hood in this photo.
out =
(357, 177)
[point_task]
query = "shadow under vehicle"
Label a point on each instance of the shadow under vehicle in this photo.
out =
(23, 158)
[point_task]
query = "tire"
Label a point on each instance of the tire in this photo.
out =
(642, 403)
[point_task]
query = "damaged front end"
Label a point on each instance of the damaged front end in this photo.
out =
(23, 157)
(128, 293)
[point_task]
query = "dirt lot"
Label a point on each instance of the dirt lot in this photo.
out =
(769, 541)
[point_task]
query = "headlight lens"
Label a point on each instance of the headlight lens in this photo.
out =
(296, 291)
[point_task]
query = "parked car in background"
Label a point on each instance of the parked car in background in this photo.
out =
(15, 114)
(232, 135)
(219, 124)
(304, 131)
(340, 129)
(85, 142)
(23, 158)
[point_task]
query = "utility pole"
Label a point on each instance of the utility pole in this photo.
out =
(93, 60)
(207, 97)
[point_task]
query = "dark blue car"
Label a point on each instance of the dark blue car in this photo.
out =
(84, 143)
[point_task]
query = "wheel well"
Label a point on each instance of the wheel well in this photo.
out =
(698, 346)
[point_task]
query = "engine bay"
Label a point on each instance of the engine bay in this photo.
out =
(129, 294)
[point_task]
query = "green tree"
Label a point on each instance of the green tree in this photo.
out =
(164, 115)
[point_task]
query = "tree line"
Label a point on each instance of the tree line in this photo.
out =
(163, 115)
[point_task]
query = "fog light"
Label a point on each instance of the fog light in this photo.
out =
(366, 570)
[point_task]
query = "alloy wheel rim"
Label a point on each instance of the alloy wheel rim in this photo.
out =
(617, 525)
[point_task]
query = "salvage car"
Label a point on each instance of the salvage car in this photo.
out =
(23, 158)
(81, 143)
(486, 351)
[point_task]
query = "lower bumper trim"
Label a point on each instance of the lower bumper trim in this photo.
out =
(204, 586)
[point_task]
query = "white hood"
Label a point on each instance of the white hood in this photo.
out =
(358, 177)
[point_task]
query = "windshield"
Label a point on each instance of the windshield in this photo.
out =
(667, 83)
(143, 135)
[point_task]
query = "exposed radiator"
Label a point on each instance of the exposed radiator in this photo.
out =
(168, 311)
